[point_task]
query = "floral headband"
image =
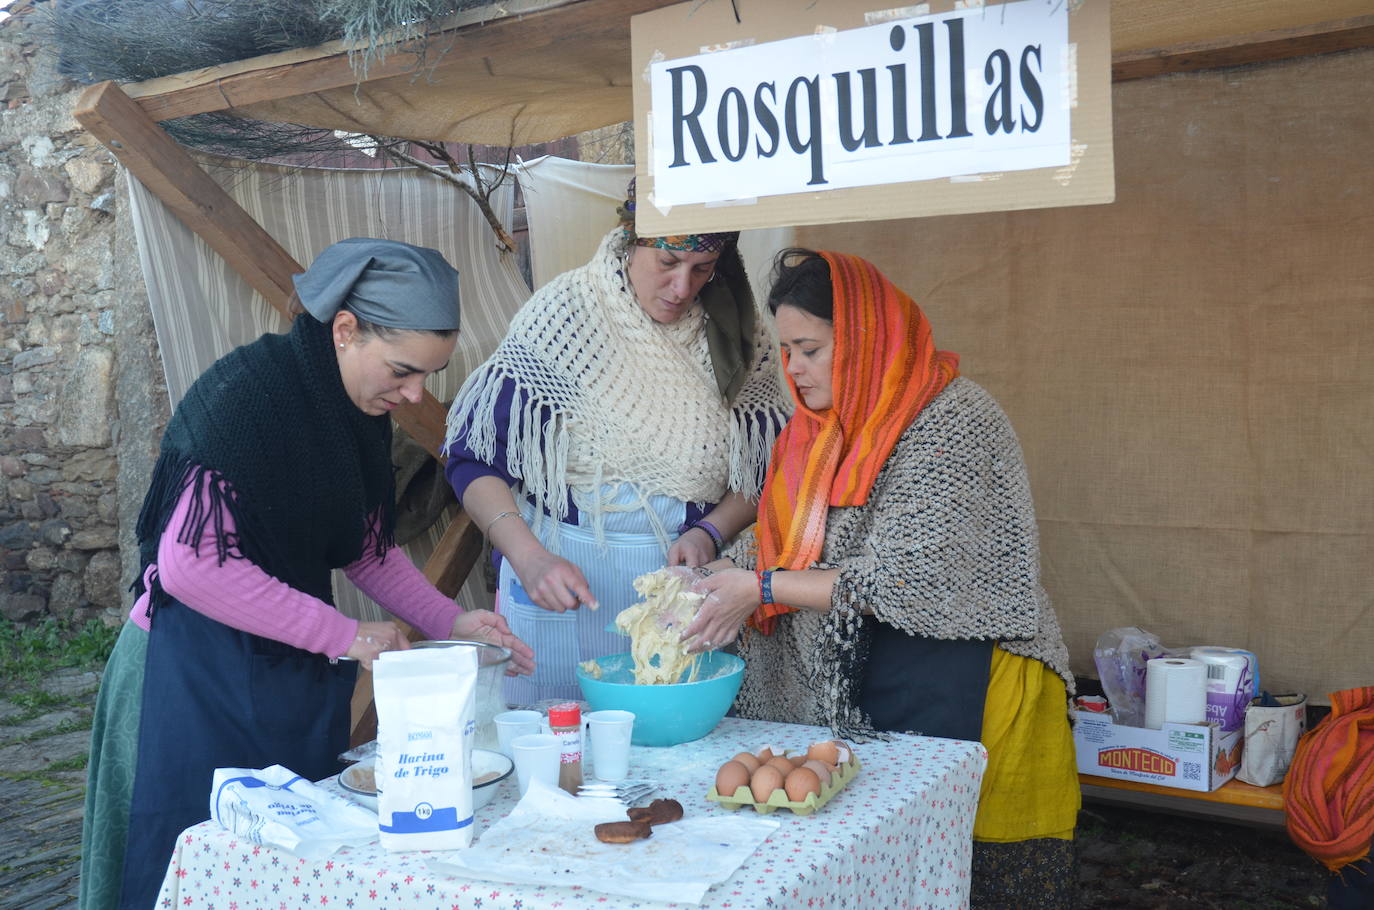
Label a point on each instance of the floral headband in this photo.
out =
(682, 243)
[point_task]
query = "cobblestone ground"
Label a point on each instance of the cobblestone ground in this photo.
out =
(40, 837)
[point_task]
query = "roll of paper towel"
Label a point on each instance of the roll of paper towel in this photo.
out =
(1232, 680)
(1175, 691)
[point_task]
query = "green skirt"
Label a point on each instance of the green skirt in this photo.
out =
(110, 771)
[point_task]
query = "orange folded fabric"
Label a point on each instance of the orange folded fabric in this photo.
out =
(1329, 790)
(886, 369)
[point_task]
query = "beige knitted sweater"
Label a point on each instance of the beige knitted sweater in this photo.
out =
(946, 547)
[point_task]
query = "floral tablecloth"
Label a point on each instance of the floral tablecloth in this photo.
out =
(899, 835)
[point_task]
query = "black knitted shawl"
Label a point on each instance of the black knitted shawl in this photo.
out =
(304, 466)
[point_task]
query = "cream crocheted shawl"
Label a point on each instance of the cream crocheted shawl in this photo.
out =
(629, 402)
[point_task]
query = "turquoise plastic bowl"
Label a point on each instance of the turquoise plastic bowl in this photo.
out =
(670, 714)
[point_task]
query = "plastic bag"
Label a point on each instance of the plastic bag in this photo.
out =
(1273, 726)
(1120, 656)
(279, 808)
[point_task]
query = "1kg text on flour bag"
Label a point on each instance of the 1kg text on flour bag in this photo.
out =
(425, 707)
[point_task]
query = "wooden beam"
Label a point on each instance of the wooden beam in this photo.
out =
(293, 73)
(203, 206)
(183, 186)
(457, 552)
(1261, 47)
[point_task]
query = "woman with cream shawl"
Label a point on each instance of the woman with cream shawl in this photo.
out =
(624, 421)
(893, 583)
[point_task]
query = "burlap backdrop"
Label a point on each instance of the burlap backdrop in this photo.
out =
(1190, 369)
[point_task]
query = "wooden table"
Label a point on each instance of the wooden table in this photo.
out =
(1234, 800)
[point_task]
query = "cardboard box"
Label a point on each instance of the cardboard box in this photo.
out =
(1186, 756)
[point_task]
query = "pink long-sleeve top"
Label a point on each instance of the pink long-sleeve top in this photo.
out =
(243, 596)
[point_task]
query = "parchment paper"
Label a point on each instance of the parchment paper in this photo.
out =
(548, 839)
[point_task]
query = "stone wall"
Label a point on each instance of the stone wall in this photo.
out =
(78, 377)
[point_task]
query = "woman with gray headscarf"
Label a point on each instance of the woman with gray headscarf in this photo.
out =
(274, 470)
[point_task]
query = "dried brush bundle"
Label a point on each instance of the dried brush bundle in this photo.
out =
(133, 40)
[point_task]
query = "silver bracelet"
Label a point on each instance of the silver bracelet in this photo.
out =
(499, 516)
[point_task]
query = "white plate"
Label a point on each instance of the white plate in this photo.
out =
(489, 769)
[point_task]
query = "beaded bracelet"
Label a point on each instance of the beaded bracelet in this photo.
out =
(711, 531)
(766, 586)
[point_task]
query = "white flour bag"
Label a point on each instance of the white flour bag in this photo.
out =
(425, 704)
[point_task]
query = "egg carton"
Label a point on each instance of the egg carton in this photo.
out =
(778, 798)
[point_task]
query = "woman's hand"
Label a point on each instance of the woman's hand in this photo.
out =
(373, 638)
(694, 547)
(484, 625)
(731, 596)
(554, 583)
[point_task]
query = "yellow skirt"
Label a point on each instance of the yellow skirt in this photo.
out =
(1030, 789)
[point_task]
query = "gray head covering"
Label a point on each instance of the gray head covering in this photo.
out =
(385, 282)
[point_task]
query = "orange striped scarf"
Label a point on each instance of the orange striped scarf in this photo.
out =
(885, 370)
(1329, 790)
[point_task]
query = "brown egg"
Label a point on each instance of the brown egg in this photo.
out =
(823, 771)
(765, 781)
(731, 776)
(768, 752)
(782, 763)
(748, 760)
(800, 783)
(824, 751)
(846, 752)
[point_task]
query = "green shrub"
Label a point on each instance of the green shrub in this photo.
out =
(27, 652)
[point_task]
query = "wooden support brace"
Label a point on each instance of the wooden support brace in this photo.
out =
(457, 552)
(1262, 47)
(183, 186)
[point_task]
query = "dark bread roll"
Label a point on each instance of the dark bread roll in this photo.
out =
(658, 812)
(622, 832)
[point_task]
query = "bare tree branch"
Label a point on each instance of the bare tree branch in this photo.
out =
(391, 149)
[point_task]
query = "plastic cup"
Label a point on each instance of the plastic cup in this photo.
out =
(610, 733)
(510, 724)
(535, 756)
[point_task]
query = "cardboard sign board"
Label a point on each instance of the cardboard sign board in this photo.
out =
(837, 110)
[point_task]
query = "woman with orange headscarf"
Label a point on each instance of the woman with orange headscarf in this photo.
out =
(893, 579)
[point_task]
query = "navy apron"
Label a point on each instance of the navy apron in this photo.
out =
(216, 697)
(934, 687)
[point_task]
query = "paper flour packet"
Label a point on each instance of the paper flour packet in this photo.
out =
(278, 807)
(425, 706)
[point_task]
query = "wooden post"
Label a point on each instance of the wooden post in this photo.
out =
(459, 548)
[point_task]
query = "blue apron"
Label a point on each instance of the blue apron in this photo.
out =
(215, 697)
(563, 640)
